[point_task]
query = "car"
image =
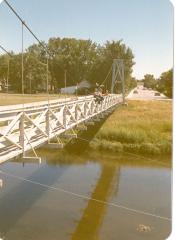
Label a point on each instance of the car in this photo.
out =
(156, 94)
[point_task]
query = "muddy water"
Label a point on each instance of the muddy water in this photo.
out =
(88, 196)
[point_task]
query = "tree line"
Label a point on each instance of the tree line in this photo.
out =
(81, 59)
(163, 84)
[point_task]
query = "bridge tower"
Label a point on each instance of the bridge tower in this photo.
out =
(118, 75)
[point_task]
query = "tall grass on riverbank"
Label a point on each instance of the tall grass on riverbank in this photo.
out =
(141, 127)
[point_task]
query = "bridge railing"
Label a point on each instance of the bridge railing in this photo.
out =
(25, 127)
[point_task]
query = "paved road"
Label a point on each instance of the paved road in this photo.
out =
(141, 93)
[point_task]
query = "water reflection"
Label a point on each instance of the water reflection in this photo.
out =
(93, 214)
(108, 178)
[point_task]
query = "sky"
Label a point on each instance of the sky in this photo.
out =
(146, 26)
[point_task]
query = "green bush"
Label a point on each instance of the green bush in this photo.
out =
(149, 148)
(165, 148)
(123, 135)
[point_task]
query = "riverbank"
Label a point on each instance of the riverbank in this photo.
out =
(143, 127)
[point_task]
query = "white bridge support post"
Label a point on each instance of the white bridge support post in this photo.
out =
(64, 117)
(21, 134)
(22, 137)
(76, 112)
(48, 123)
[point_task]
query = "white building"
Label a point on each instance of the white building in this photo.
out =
(73, 89)
(68, 90)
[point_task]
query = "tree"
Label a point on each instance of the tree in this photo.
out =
(106, 54)
(149, 81)
(3, 70)
(165, 83)
(34, 72)
(77, 57)
(81, 59)
(132, 83)
(36, 69)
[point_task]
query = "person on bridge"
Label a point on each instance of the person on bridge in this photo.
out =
(98, 95)
(106, 93)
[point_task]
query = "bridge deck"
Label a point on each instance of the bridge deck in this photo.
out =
(26, 127)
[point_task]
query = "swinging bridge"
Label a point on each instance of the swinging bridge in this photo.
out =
(25, 127)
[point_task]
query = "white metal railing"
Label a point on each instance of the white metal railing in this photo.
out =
(25, 127)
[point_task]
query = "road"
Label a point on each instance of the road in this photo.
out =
(141, 93)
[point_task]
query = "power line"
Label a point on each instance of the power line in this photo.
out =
(5, 50)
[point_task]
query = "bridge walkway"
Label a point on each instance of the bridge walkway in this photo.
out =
(26, 127)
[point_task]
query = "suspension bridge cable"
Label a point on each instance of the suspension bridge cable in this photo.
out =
(22, 62)
(107, 76)
(29, 29)
(5, 51)
(34, 35)
(47, 56)
(23, 22)
(22, 59)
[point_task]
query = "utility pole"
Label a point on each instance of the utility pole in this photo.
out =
(30, 77)
(8, 67)
(47, 72)
(65, 79)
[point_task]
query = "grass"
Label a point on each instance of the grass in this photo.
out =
(10, 99)
(142, 127)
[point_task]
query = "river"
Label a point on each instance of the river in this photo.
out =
(87, 196)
